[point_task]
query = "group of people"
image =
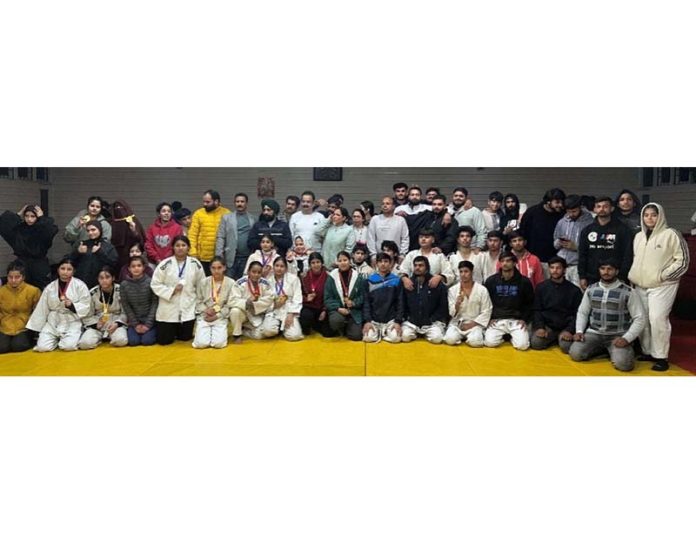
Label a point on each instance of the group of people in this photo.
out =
(591, 275)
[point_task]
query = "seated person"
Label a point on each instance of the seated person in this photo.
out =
(212, 306)
(107, 318)
(258, 299)
(512, 296)
(284, 316)
(425, 306)
(18, 299)
(382, 304)
(470, 308)
(343, 298)
(360, 264)
(140, 304)
(556, 303)
(440, 269)
(610, 318)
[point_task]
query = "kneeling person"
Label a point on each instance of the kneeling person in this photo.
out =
(512, 295)
(425, 306)
(343, 298)
(258, 299)
(610, 318)
(107, 320)
(470, 308)
(383, 304)
(284, 316)
(556, 303)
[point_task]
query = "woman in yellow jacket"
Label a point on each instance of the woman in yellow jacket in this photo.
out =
(17, 301)
(203, 230)
(661, 257)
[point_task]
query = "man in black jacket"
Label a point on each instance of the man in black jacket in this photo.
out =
(425, 308)
(269, 224)
(556, 303)
(513, 297)
(439, 221)
(539, 223)
(607, 238)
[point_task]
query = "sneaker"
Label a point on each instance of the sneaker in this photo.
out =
(660, 365)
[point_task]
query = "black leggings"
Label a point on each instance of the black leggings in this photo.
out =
(167, 332)
(309, 319)
(15, 344)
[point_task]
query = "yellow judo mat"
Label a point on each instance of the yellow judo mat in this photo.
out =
(314, 356)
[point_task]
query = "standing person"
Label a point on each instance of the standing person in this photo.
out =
(430, 194)
(30, 234)
(268, 224)
(661, 259)
(284, 315)
(256, 301)
(292, 204)
(627, 210)
(183, 216)
(468, 215)
(610, 318)
(232, 240)
(435, 216)
(566, 236)
(75, 230)
(539, 224)
(400, 194)
(512, 296)
(425, 305)
(369, 209)
(605, 238)
(493, 214)
(439, 269)
(175, 282)
(314, 314)
(465, 253)
(204, 226)
(359, 226)
(107, 318)
(470, 308)
(383, 304)
(212, 307)
(512, 214)
(140, 304)
(556, 303)
(343, 298)
(387, 226)
(527, 263)
(135, 250)
(308, 224)
(126, 230)
(360, 253)
(414, 204)
(160, 235)
(93, 254)
(339, 237)
(18, 300)
(59, 313)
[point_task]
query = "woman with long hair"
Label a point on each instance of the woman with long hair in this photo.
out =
(314, 314)
(359, 226)
(135, 250)
(107, 319)
(339, 236)
(140, 304)
(257, 299)
(18, 300)
(160, 235)
(284, 316)
(343, 298)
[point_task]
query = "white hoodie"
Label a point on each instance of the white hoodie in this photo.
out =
(661, 258)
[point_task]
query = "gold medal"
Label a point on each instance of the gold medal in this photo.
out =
(216, 307)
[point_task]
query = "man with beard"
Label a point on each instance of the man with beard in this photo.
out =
(439, 221)
(269, 224)
(308, 223)
(430, 194)
(400, 194)
(414, 205)
(468, 217)
(232, 241)
(204, 226)
(292, 204)
(604, 238)
(425, 305)
(539, 223)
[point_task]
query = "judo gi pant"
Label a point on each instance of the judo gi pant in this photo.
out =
(92, 338)
(519, 335)
(385, 331)
(66, 337)
(540, 343)
(271, 328)
(434, 333)
(473, 336)
(596, 344)
(658, 301)
(210, 334)
(15, 344)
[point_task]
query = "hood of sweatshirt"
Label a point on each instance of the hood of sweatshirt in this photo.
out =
(661, 219)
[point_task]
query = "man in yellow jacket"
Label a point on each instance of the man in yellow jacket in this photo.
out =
(204, 226)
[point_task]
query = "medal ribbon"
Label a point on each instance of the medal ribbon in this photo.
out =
(256, 292)
(62, 291)
(344, 286)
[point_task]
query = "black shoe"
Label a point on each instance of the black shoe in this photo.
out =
(645, 358)
(660, 365)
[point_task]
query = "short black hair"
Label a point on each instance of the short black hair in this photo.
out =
(181, 238)
(465, 264)
(361, 247)
(558, 260)
(468, 229)
(439, 196)
(604, 199)
(295, 199)
(415, 187)
(460, 189)
(426, 232)
(215, 195)
(399, 185)
(497, 196)
(507, 254)
(572, 201)
(516, 234)
(421, 258)
(308, 193)
(430, 189)
(495, 234)
(335, 199)
(162, 204)
(391, 245)
(241, 194)
(610, 262)
(554, 194)
(384, 256)
(369, 206)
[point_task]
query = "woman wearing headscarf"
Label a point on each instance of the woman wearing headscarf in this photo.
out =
(30, 234)
(96, 211)
(627, 209)
(93, 254)
(59, 313)
(661, 257)
(126, 230)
